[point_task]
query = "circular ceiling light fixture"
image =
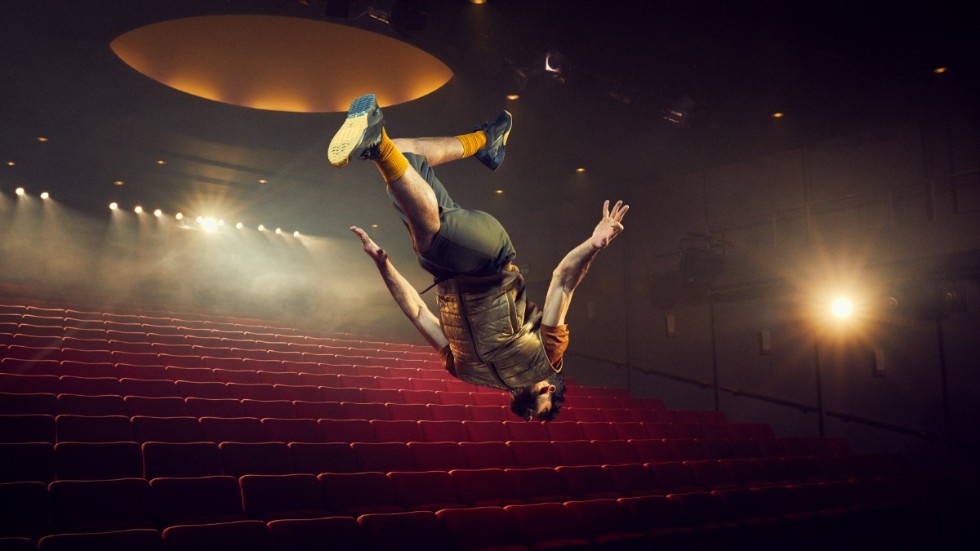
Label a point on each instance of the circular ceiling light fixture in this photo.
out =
(280, 63)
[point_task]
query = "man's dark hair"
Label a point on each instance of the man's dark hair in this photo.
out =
(525, 402)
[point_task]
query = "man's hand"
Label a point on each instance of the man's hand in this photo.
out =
(610, 226)
(377, 254)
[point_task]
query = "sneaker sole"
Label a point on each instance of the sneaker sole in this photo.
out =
(351, 132)
(507, 133)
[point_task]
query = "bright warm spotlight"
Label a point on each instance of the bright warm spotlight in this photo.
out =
(261, 227)
(45, 195)
(296, 233)
(278, 231)
(209, 224)
(158, 213)
(239, 226)
(138, 209)
(179, 216)
(113, 205)
(842, 307)
(20, 191)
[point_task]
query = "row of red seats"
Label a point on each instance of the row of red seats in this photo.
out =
(349, 424)
(571, 515)
(434, 406)
(38, 461)
(175, 323)
(138, 353)
(200, 383)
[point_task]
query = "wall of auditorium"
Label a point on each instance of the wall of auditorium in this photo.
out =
(894, 214)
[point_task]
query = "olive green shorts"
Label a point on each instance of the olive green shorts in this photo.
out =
(469, 242)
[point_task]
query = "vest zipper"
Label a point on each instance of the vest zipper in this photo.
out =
(469, 330)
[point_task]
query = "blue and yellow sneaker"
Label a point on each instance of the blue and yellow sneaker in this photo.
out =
(497, 131)
(360, 134)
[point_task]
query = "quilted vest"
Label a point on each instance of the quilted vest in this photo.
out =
(493, 331)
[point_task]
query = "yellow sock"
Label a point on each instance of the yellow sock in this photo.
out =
(390, 162)
(472, 142)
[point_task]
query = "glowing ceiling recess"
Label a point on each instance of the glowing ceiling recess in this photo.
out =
(279, 63)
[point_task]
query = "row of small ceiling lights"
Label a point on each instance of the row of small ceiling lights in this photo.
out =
(206, 223)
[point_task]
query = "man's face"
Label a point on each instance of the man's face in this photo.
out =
(542, 391)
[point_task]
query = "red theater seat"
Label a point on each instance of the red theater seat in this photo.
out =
(181, 459)
(241, 458)
(630, 479)
(432, 456)
(358, 493)
(23, 509)
(310, 534)
(268, 408)
(27, 428)
(232, 429)
(109, 404)
(480, 455)
(346, 430)
(326, 457)
(488, 413)
(98, 460)
(369, 410)
(166, 429)
(397, 431)
(408, 412)
(270, 497)
(215, 407)
(607, 523)
(480, 528)
(155, 388)
(383, 456)
(533, 454)
(100, 505)
(154, 406)
(577, 452)
(537, 485)
(486, 431)
(245, 535)
(145, 539)
(14, 403)
(444, 431)
(98, 428)
(429, 490)
(387, 531)
(28, 384)
(547, 525)
(484, 487)
(292, 430)
(615, 451)
(196, 500)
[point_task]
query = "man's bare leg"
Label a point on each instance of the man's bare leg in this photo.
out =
(436, 150)
(362, 136)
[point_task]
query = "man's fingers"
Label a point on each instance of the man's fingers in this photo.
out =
(605, 209)
(622, 213)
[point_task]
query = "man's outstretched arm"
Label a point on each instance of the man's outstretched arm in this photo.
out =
(405, 295)
(572, 269)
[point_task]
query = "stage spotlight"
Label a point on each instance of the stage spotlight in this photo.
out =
(261, 227)
(179, 216)
(138, 209)
(842, 307)
(239, 226)
(296, 233)
(158, 213)
(20, 191)
(113, 205)
(278, 231)
(45, 195)
(209, 224)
